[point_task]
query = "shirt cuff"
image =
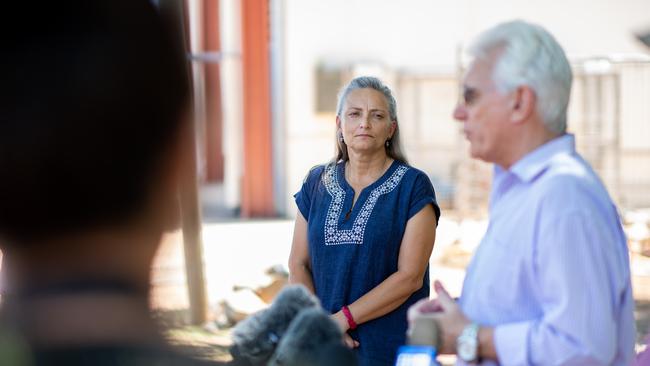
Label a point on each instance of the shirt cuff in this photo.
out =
(511, 343)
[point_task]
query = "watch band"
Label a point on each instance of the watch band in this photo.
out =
(471, 331)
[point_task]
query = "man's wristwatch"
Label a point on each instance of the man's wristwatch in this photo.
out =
(467, 343)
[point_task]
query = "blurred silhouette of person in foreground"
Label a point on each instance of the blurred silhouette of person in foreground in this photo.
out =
(92, 118)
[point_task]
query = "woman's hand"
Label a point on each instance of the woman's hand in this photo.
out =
(349, 342)
(340, 319)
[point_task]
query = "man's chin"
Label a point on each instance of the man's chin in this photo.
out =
(478, 155)
(474, 153)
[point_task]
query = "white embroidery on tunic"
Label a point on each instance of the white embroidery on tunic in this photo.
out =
(334, 236)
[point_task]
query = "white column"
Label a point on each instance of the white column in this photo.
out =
(231, 87)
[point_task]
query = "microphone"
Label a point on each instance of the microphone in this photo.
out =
(313, 339)
(423, 332)
(256, 337)
(423, 341)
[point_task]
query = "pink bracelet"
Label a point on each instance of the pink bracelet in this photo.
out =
(348, 315)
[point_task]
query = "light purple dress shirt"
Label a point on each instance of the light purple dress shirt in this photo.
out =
(552, 272)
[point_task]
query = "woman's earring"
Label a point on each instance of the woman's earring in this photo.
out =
(388, 143)
(341, 139)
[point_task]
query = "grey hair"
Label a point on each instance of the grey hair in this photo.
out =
(394, 150)
(530, 56)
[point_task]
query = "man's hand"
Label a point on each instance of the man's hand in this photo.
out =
(342, 322)
(448, 315)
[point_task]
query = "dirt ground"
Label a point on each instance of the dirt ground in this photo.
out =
(228, 262)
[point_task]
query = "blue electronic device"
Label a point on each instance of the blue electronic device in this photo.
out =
(413, 355)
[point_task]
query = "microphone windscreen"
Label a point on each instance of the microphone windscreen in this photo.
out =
(313, 339)
(294, 298)
(256, 337)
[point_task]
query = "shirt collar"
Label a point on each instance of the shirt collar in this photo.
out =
(539, 159)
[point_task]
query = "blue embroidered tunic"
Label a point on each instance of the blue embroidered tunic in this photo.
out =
(354, 249)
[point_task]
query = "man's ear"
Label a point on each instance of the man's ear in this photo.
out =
(523, 104)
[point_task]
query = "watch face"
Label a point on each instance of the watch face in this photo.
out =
(467, 349)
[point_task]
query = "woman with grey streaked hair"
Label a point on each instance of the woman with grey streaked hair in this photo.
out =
(366, 226)
(393, 145)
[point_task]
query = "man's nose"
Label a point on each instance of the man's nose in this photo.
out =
(460, 113)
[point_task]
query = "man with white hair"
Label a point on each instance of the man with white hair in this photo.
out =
(550, 281)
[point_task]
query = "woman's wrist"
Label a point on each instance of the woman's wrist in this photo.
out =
(349, 318)
(340, 319)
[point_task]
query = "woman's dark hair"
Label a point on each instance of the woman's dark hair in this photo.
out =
(92, 94)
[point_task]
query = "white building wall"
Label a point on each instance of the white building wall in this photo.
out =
(421, 37)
